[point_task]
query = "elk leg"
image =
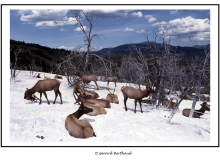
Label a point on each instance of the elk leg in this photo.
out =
(135, 102)
(96, 85)
(40, 97)
(56, 94)
(46, 97)
(61, 102)
(108, 83)
(140, 105)
(125, 99)
(115, 84)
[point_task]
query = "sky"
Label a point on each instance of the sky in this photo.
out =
(56, 28)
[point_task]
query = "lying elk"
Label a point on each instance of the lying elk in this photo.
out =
(168, 103)
(111, 79)
(166, 93)
(38, 76)
(32, 98)
(148, 101)
(97, 110)
(77, 128)
(42, 86)
(96, 102)
(77, 89)
(46, 77)
(58, 77)
(136, 94)
(88, 78)
(197, 113)
(112, 98)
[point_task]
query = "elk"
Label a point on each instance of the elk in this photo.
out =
(168, 103)
(97, 110)
(136, 94)
(32, 98)
(42, 86)
(38, 76)
(46, 77)
(148, 101)
(197, 113)
(77, 128)
(111, 79)
(77, 89)
(96, 102)
(112, 98)
(58, 77)
(88, 78)
(166, 93)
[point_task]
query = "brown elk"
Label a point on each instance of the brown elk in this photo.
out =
(97, 110)
(168, 103)
(96, 102)
(38, 76)
(148, 101)
(77, 89)
(58, 77)
(77, 128)
(42, 86)
(32, 98)
(88, 78)
(46, 77)
(197, 113)
(166, 93)
(112, 98)
(136, 94)
(111, 79)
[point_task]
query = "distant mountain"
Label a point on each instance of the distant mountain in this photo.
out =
(188, 52)
(202, 46)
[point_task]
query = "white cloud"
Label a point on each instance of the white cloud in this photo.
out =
(46, 18)
(150, 18)
(136, 15)
(78, 28)
(187, 28)
(41, 15)
(159, 23)
(141, 31)
(108, 13)
(66, 48)
(62, 29)
(128, 29)
(177, 11)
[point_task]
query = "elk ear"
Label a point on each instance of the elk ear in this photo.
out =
(27, 89)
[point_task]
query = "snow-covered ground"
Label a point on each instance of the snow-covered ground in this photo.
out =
(29, 119)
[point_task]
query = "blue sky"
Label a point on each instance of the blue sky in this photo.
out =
(48, 27)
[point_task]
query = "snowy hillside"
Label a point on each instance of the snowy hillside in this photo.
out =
(29, 119)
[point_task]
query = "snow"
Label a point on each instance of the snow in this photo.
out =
(29, 119)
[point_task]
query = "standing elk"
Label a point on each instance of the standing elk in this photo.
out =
(197, 113)
(58, 77)
(88, 78)
(111, 79)
(77, 128)
(42, 86)
(46, 77)
(38, 76)
(136, 94)
(112, 98)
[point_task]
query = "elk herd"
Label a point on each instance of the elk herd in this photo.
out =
(91, 104)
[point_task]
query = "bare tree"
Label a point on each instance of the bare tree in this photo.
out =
(14, 66)
(88, 36)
